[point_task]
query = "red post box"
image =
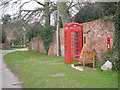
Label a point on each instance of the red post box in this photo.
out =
(108, 43)
(73, 41)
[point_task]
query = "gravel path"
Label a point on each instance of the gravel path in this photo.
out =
(8, 78)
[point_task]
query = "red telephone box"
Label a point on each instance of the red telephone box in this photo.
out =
(73, 41)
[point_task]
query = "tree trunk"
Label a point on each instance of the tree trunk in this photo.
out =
(47, 14)
(63, 10)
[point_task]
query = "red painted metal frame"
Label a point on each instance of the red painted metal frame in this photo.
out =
(69, 50)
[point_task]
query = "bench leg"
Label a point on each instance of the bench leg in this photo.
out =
(93, 65)
(83, 65)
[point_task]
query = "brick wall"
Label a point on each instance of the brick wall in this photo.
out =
(52, 49)
(36, 44)
(96, 38)
(3, 46)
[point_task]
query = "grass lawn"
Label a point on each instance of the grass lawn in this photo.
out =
(35, 70)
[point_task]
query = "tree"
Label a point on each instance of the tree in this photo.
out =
(6, 19)
(33, 30)
(2, 35)
(64, 13)
(46, 34)
(11, 30)
(43, 12)
(116, 45)
(93, 11)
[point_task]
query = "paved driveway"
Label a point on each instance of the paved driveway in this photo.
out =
(8, 78)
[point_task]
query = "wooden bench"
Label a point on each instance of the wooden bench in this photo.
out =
(86, 57)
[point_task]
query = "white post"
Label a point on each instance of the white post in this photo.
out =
(57, 32)
(24, 45)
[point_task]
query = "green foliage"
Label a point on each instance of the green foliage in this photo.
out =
(95, 11)
(18, 46)
(32, 33)
(6, 18)
(15, 42)
(46, 34)
(113, 54)
(116, 44)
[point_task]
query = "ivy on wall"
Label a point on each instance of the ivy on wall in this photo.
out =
(116, 45)
(46, 34)
(113, 54)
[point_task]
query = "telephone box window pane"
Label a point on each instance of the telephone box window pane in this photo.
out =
(75, 33)
(76, 39)
(77, 36)
(77, 43)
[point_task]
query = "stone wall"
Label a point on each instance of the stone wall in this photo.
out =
(36, 44)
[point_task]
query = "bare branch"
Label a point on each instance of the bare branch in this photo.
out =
(24, 4)
(70, 5)
(39, 3)
(25, 15)
(38, 9)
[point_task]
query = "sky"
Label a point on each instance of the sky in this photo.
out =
(12, 9)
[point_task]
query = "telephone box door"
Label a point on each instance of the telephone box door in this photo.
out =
(73, 41)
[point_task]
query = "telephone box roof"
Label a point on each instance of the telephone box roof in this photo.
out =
(72, 24)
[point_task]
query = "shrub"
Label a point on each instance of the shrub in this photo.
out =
(113, 54)
(46, 34)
